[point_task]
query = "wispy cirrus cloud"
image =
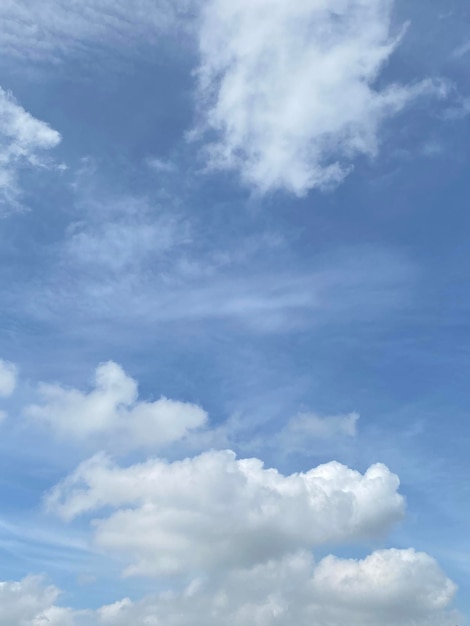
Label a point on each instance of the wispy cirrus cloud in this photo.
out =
(24, 141)
(57, 29)
(177, 284)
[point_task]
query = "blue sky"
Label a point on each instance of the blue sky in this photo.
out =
(234, 230)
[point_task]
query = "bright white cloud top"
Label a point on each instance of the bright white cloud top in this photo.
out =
(215, 511)
(291, 88)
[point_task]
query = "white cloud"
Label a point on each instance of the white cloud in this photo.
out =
(391, 588)
(23, 139)
(291, 88)
(111, 414)
(214, 511)
(387, 579)
(31, 602)
(8, 378)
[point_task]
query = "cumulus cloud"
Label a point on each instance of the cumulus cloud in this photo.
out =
(216, 511)
(386, 580)
(8, 378)
(290, 88)
(391, 588)
(111, 413)
(23, 140)
(31, 602)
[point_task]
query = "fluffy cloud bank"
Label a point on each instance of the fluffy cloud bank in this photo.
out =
(390, 587)
(291, 87)
(23, 140)
(111, 414)
(241, 534)
(216, 511)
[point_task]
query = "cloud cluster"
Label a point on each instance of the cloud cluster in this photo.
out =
(23, 140)
(389, 587)
(239, 534)
(31, 602)
(111, 414)
(216, 511)
(290, 94)
(290, 88)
